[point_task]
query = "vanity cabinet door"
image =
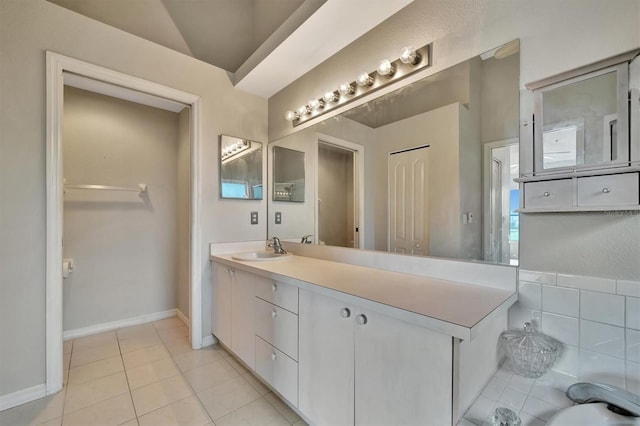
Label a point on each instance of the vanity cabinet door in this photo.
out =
(243, 295)
(222, 277)
(403, 373)
(325, 360)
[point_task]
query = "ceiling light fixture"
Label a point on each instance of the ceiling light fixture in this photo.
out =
(388, 72)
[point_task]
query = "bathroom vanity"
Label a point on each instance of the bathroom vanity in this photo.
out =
(348, 344)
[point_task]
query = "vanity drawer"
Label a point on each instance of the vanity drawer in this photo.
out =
(548, 194)
(277, 326)
(278, 370)
(609, 190)
(281, 294)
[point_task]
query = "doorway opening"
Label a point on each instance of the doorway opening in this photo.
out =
(125, 85)
(339, 195)
(501, 200)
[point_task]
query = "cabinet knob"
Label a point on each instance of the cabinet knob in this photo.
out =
(417, 245)
(274, 287)
(546, 194)
(361, 319)
(274, 356)
(345, 313)
(606, 190)
(274, 313)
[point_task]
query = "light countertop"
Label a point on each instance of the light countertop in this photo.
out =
(446, 306)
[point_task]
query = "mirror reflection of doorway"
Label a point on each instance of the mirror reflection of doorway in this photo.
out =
(337, 208)
(501, 198)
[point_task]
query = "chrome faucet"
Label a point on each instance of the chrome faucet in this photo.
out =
(618, 400)
(277, 247)
(306, 239)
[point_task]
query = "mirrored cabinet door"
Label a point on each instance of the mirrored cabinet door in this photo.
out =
(240, 168)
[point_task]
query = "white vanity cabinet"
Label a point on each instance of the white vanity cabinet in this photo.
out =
(361, 367)
(222, 277)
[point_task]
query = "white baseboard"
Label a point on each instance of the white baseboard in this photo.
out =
(209, 340)
(113, 325)
(183, 317)
(22, 396)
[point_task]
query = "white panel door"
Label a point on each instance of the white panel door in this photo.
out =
(409, 201)
(403, 373)
(325, 360)
(243, 333)
(221, 302)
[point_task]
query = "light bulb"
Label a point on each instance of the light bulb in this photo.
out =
(316, 104)
(386, 68)
(346, 89)
(303, 110)
(291, 116)
(331, 96)
(408, 55)
(364, 79)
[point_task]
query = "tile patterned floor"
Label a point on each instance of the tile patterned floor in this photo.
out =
(149, 375)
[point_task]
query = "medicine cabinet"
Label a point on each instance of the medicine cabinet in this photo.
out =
(584, 153)
(240, 168)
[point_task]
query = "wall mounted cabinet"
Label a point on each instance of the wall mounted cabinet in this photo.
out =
(584, 150)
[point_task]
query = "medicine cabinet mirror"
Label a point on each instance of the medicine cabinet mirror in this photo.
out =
(288, 175)
(240, 168)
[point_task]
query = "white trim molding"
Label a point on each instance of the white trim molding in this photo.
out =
(56, 65)
(113, 325)
(209, 340)
(22, 396)
(182, 317)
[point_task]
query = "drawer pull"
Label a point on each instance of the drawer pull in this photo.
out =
(274, 356)
(361, 319)
(274, 313)
(606, 190)
(274, 287)
(345, 313)
(546, 194)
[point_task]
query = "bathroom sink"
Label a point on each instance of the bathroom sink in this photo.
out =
(260, 256)
(591, 414)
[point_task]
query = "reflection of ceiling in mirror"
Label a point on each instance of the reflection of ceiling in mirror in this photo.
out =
(435, 91)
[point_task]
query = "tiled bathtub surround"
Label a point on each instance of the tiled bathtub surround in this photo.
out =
(596, 319)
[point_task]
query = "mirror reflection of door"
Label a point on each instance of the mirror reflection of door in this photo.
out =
(501, 233)
(409, 201)
(337, 196)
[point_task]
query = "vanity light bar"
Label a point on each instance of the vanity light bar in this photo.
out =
(235, 148)
(388, 72)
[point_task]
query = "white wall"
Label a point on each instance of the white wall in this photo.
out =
(27, 29)
(124, 245)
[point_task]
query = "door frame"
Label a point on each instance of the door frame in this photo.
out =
(56, 64)
(358, 175)
(486, 190)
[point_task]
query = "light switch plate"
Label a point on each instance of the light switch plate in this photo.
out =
(254, 218)
(278, 218)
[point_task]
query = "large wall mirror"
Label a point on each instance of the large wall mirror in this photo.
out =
(425, 170)
(240, 168)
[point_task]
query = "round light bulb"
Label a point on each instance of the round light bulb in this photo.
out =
(385, 67)
(303, 110)
(346, 89)
(291, 116)
(316, 104)
(408, 55)
(364, 79)
(330, 96)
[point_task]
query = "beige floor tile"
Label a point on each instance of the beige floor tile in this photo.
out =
(300, 423)
(159, 394)
(67, 346)
(151, 373)
(196, 358)
(34, 412)
(211, 374)
(94, 340)
(132, 422)
(168, 323)
(94, 353)
(173, 332)
(171, 339)
(179, 347)
(95, 370)
(235, 364)
(186, 412)
(145, 356)
(130, 344)
(258, 412)
(142, 330)
(53, 422)
(113, 411)
(66, 361)
(257, 384)
(85, 394)
(226, 397)
(282, 407)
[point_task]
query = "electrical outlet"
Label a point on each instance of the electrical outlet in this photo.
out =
(278, 218)
(254, 218)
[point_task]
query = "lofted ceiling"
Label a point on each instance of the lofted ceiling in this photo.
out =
(263, 44)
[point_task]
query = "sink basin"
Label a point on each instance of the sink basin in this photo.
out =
(591, 414)
(259, 256)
